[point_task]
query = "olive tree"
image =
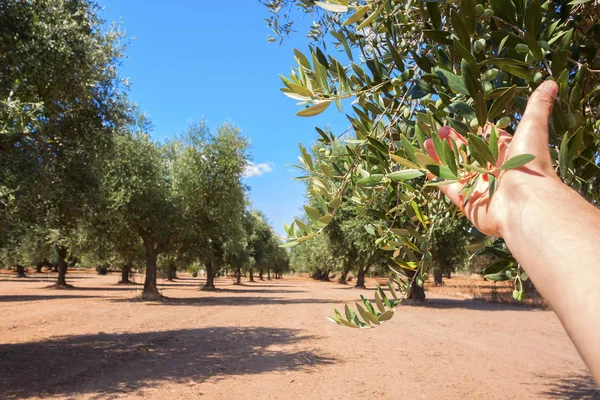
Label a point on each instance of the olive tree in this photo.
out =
(140, 195)
(411, 68)
(61, 99)
(208, 179)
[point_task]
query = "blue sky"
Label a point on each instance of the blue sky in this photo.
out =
(205, 59)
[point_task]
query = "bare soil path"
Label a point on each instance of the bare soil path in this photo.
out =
(270, 340)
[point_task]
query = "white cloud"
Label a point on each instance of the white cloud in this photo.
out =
(257, 169)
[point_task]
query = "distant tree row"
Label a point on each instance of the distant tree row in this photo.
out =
(81, 180)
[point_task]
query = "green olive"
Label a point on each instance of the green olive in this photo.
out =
(479, 45)
(522, 48)
(487, 87)
(490, 74)
(488, 13)
(503, 122)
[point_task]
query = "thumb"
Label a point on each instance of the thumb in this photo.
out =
(532, 133)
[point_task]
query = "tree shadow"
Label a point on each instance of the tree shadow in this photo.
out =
(468, 304)
(32, 278)
(224, 290)
(230, 301)
(244, 288)
(574, 386)
(26, 297)
(104, 364)
(181, 285)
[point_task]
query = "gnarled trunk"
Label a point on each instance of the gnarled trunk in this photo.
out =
(251, 274)
(437, 277)
(417, 293)
(360, 277)
(344, 275)
(21, 271)
(172, 272)
(210, 277)
(39, 266)
(61, 254)
(238, 276)
(150, 291)
(125, 271)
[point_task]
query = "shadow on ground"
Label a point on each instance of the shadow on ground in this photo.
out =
(41, 297)
(230, 301)
(121, 363)
(575, 386)
(468, 304)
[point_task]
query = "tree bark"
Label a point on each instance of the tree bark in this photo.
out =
(39, 266)
(417, 293)
(268, 274)
(238, 276)
(125, 270)
(260, 274)
(360, 277)
(172, 273)
(344, 275)
(21, 271)
(437, 277)
(61, 254)
(210, 277)
(251, 273)
(150, 291)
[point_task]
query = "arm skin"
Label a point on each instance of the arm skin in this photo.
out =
(551, 230)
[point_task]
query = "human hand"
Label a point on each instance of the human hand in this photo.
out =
(491, 215)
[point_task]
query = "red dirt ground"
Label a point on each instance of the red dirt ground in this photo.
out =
(270, 340)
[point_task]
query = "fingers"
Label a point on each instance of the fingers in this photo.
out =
(446, 132)
(452, 190)
(532, 132)
(504, 139)
(430, 149)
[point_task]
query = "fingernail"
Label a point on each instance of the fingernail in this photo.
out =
(550, 87)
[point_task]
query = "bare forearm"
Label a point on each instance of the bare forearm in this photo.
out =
(554, 234)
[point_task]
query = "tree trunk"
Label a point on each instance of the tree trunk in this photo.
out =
(150, 291)
(125, 270)
(21, 271)
(260, 274)
(344, 275)
(61, 254)
(360, 277)
(417, 293)
(251, 273)
(210, 277)
(38, 267)
(437, 277)
(238, 276)
(172, 273)
(448, 274)
(269, 274)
